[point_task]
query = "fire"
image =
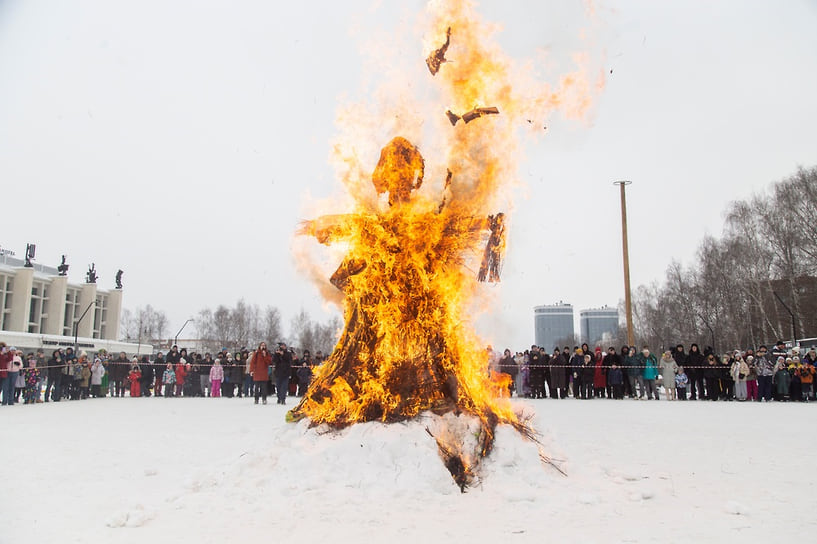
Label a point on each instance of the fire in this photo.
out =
(413, 265)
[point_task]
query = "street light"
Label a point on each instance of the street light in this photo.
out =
(627, 301)
(176, 338)
(793, 320)
(76, 324)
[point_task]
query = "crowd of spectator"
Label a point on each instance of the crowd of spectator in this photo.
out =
(581, 373)
(65, 375)
(778, 374)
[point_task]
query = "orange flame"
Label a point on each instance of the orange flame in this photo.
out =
(408, 276)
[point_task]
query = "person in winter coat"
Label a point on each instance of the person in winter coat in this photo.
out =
(635, 380)
(5, 363)
(216, 377)
(649, 364)
(739, 372)
(524, 373)
(237, 375)
(599, 374)
(181, 374)
(260, 361)
(97, 373)
(696, 361)
(54, 375)
(118, 375)
(806, 373)
(615, 378)
(84, 374)
(611, 358)
(751, 377)
(576, 364)
(587, 373)
(680, 358)
(147, 376)
(668, 368)
(159, 367)
(765, 368)
(12, 366)
(135, 379)
(169, 380)
(712, 377)
(727, 383)
(782, 381)
(31, 376)
(558, 377)
(536, 373)
(681, 383)
(283, 371)
(795, 387)
(204, 377)
(518, 387)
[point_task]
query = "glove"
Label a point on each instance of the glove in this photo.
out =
(575, 374)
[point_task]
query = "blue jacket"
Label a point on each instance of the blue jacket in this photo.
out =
(650, 364)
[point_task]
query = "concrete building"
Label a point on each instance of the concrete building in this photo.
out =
(552, 324)
(598, 324)
(40, 309)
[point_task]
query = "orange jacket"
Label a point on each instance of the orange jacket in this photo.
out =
(806, 373)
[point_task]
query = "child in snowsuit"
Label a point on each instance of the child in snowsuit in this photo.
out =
(781, 380)
(806, 379)
(169, 380)
(32, 380)
(97, 372)
(615, 378)
(84, 380)
(181, 374)
(216, 377)
(681, 381)
(135, 379)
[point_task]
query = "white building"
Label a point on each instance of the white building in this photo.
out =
(40, 309)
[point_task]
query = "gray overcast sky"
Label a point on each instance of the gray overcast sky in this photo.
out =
(182, 141)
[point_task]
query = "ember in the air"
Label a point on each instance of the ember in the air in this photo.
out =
(435, 59)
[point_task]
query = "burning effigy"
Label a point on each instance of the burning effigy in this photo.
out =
(413, 264)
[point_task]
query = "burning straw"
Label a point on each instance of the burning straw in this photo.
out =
(408, 277)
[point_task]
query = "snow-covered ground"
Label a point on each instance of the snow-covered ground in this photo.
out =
(216, 470)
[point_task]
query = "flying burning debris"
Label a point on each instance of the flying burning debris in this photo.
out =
(407, 277)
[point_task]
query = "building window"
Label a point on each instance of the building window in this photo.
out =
(39, 302)
(6, 286)
(100, 316)
(71, 311)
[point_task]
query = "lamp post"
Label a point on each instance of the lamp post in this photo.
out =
(793, 320)
(76, 324)
(626, 257)
(176, 338)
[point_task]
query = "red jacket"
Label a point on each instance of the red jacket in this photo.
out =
(5, 363)
(259, 365)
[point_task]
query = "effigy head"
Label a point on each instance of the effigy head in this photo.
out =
(399, 170)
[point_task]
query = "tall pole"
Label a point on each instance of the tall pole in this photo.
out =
(176, 338)
(628, 304)
(793, 320)
(76, 324)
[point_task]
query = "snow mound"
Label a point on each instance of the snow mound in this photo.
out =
(133, 517)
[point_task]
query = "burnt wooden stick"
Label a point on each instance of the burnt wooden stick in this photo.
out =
(436, 58)
(479, 112)
(453, 117)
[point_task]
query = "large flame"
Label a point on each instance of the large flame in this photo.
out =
(411, 266)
